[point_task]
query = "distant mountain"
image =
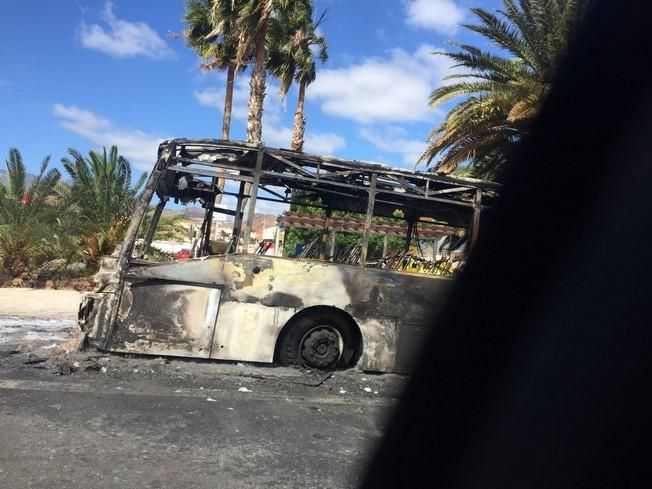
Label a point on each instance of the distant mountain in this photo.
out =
(29, 177)
(193, 212)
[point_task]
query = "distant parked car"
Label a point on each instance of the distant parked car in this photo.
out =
(182, 255)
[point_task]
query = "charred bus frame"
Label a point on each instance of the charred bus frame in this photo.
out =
(245, 307)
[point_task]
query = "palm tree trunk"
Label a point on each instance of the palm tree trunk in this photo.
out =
(228, 101)
(226, 121)
(299, 121)
(257, 92)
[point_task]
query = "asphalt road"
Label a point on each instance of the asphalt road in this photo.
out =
(101, 421)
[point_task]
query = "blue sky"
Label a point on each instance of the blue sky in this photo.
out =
(88, 73)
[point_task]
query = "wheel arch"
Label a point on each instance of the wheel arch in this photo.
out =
(336, 313)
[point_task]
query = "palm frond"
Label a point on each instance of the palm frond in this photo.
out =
(15, 174)
(501, 92)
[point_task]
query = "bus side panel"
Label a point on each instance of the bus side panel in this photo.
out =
(248, 331)
(163, 318)
(411, 340)
(266, 295)
(395, 312)
(379, 340)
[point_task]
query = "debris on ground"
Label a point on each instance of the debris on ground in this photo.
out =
(67, 368)
(42, 347)
(32, 360)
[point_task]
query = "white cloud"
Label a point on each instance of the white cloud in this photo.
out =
(138, 146)
(214, 97)
(275, 132)
(389, 90)
(324, 143)
(321, 143)
(123, 39)
(211, 97)
(393, 139)
(442, 16)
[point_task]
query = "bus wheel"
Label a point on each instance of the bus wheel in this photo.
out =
(319, 342)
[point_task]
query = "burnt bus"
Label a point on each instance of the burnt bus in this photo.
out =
(231, 304)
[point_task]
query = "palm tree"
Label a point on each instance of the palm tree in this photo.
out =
(211, 32)
(253, 22)
(26, 216)
(502, 93)
(291, 42)
(253, 18)
(173, 227)
(102, 193)
(211, 29)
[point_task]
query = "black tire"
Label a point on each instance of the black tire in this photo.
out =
(310, 342)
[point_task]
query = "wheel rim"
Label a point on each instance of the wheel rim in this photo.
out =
(321, 347)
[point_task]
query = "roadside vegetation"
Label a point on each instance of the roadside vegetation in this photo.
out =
(53, 227)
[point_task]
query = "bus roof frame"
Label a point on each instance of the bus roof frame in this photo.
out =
(368, 188)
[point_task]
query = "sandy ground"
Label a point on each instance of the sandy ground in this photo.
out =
(43, 303)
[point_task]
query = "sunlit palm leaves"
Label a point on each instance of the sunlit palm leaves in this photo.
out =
(292, 44)
(211, 30)
(502, 92)
(103, 196)
(254, 17)
(27, 218)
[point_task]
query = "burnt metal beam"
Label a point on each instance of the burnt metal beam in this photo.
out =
(267, 199)
(237, 222)
(252, 202)
(212, 174)
(280, 196)
(371, 199)
(152, 226)
(228, 212)
(319, 162)
(124, 257)
(291, 164)
(208, 221)
(336, 174)
(410, 232)
(357, 187)
(232, 164)
(404, 183)
(450, 190)
(477, 209)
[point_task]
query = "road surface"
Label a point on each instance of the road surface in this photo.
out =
(95, 421)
